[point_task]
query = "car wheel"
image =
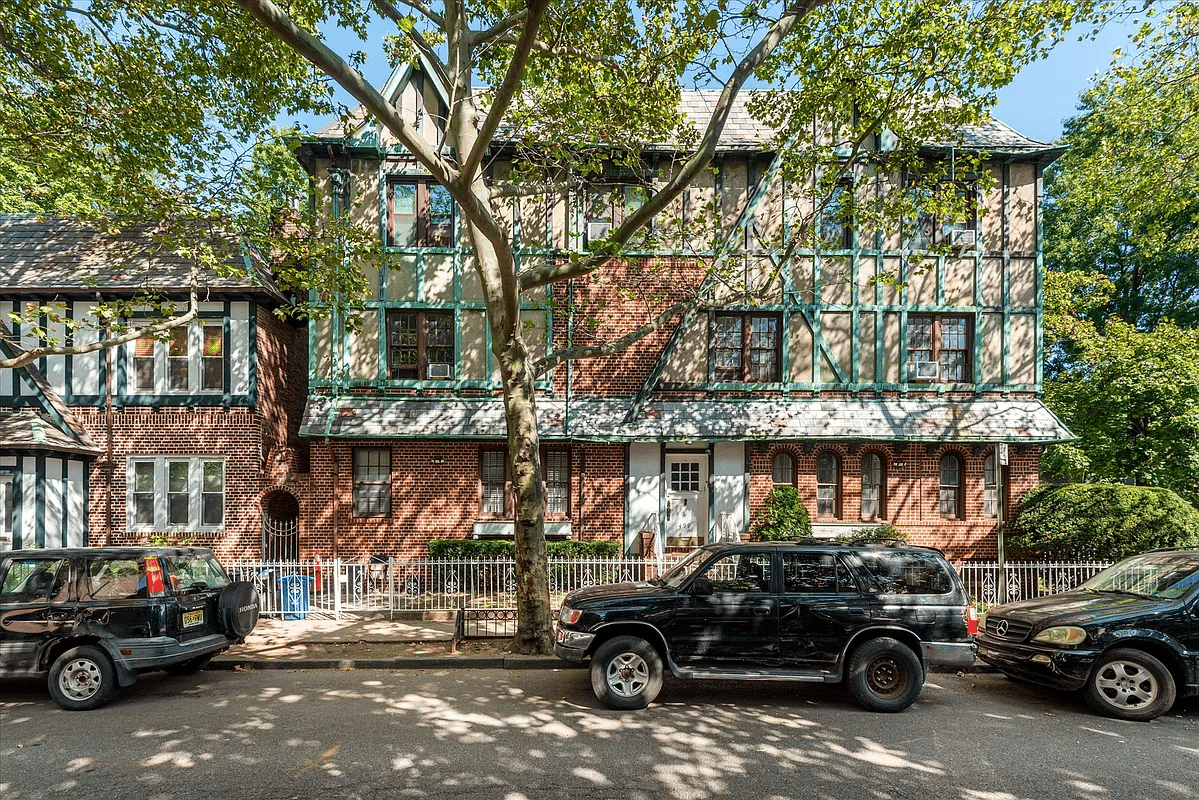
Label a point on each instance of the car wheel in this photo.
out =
(239, 609)
(1129, 684)
(626, 673)
(82, 678)
(189, 667)
(885, 675)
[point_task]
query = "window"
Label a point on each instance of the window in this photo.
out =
(372, 482)
(784, 469)
(420, 345)
(925, 230)
(951, 486)
(191, 360)
(738, 573)
(990, 487)
(496, 491)
(7, 507)
(907, 572)
(872, 486)
(747, 347)
(938, 349)
(32, 579)
(606, 207)
(419, 214)
(176, 493)
(834, 224)
(815, 573)
(828, 484)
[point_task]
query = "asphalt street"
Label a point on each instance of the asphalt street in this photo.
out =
(529, 734)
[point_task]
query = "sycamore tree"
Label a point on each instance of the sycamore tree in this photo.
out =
(151, 99)
(1124, 199)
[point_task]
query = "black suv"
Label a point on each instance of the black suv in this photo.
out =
(92, 618)
(1129, 636)
(873, 617)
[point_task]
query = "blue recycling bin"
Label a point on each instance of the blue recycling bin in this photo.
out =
(293, 596)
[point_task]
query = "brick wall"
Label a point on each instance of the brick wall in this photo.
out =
(282, 384)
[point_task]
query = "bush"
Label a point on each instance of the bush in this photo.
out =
(504, 548)
(784, 518)
(1104, 522)
(878, 534)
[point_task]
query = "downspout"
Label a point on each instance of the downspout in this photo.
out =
(336, 496)
(109, 466)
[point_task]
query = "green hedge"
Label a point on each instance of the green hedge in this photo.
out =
(503, 548)
(1104, 522)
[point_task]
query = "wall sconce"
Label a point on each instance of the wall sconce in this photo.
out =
(438, 459)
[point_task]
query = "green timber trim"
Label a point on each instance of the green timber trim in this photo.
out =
(1006, 279)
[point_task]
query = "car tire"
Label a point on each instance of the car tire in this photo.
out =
(626, 673)
(239, 608)
(82, 678)
(1130, 684)
(189, 667)
(885, 675)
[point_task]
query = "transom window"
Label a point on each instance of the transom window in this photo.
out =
(420, 345)
(828, 484)
(747, 347)
(372, 481)
(419, 214)
(951, 486)
(176, 493)
(190, 360)
(938, 349)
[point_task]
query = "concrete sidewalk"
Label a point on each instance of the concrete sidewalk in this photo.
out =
(370, 642)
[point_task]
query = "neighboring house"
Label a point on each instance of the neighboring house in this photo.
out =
(191, 436)
(914, 403)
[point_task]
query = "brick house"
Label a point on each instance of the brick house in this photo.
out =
(189, 437)
(915, 402)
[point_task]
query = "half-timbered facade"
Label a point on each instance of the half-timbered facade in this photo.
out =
(187, 436)
(913, 400)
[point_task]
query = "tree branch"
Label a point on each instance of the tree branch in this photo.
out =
(543, 365)
(387, 9)
(497, 30)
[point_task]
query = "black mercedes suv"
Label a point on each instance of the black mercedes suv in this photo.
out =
(90, 619)
(873, 617)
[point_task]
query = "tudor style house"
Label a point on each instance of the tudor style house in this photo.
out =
(914, 401)
(190, 436)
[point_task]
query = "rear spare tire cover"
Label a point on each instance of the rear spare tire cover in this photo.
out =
(239, 609)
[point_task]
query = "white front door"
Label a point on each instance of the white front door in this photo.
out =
(686, 499)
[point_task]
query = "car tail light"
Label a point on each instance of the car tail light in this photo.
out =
(154, 584)
(971, 620)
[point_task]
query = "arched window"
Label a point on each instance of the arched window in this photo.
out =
(828, 485)
(784, 469)
(951, 486)
(990, 487)
(872, 486)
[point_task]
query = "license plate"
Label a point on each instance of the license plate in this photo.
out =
(193, 618)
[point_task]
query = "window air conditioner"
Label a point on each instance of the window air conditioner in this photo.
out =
(923, 370)
(960, 238)
(598, 229)
(438, 371)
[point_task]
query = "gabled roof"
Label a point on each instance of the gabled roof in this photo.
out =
(41, 255)
(52, 427)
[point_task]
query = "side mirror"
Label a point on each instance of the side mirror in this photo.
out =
(701, 586)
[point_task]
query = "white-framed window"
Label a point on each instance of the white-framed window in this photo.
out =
(176, 493)
(190, 360)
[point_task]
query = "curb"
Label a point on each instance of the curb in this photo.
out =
(513, 662)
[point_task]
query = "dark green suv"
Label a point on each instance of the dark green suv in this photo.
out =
(91, 619)
(872, 617)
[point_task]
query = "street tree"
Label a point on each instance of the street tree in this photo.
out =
(580, 83)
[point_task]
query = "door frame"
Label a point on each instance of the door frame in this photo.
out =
(704, 512)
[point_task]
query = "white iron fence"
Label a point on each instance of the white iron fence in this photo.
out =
(295, 589)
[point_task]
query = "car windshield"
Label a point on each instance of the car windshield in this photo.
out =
(194, 573)
(1164, 576)
(675, 576)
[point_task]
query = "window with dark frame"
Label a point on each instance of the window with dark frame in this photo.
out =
(608, 206)
(783, 469)
(925, 230)
(951, 486)
(834, 226)
(747, 347)
(372, 482)
(828, 484)
(556, 470)
(496, 489)
(420, 213)
(942, 340)
(872, 486)
(493, 478)
(420, 345)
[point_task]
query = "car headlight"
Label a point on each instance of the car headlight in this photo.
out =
(1061, 635)
(568, 615)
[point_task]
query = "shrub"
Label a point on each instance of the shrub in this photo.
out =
(588, 549)
(1105, 522)
(784, 518)
(877, 534)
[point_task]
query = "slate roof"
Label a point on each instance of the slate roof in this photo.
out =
(979, 420)
(46, 255)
